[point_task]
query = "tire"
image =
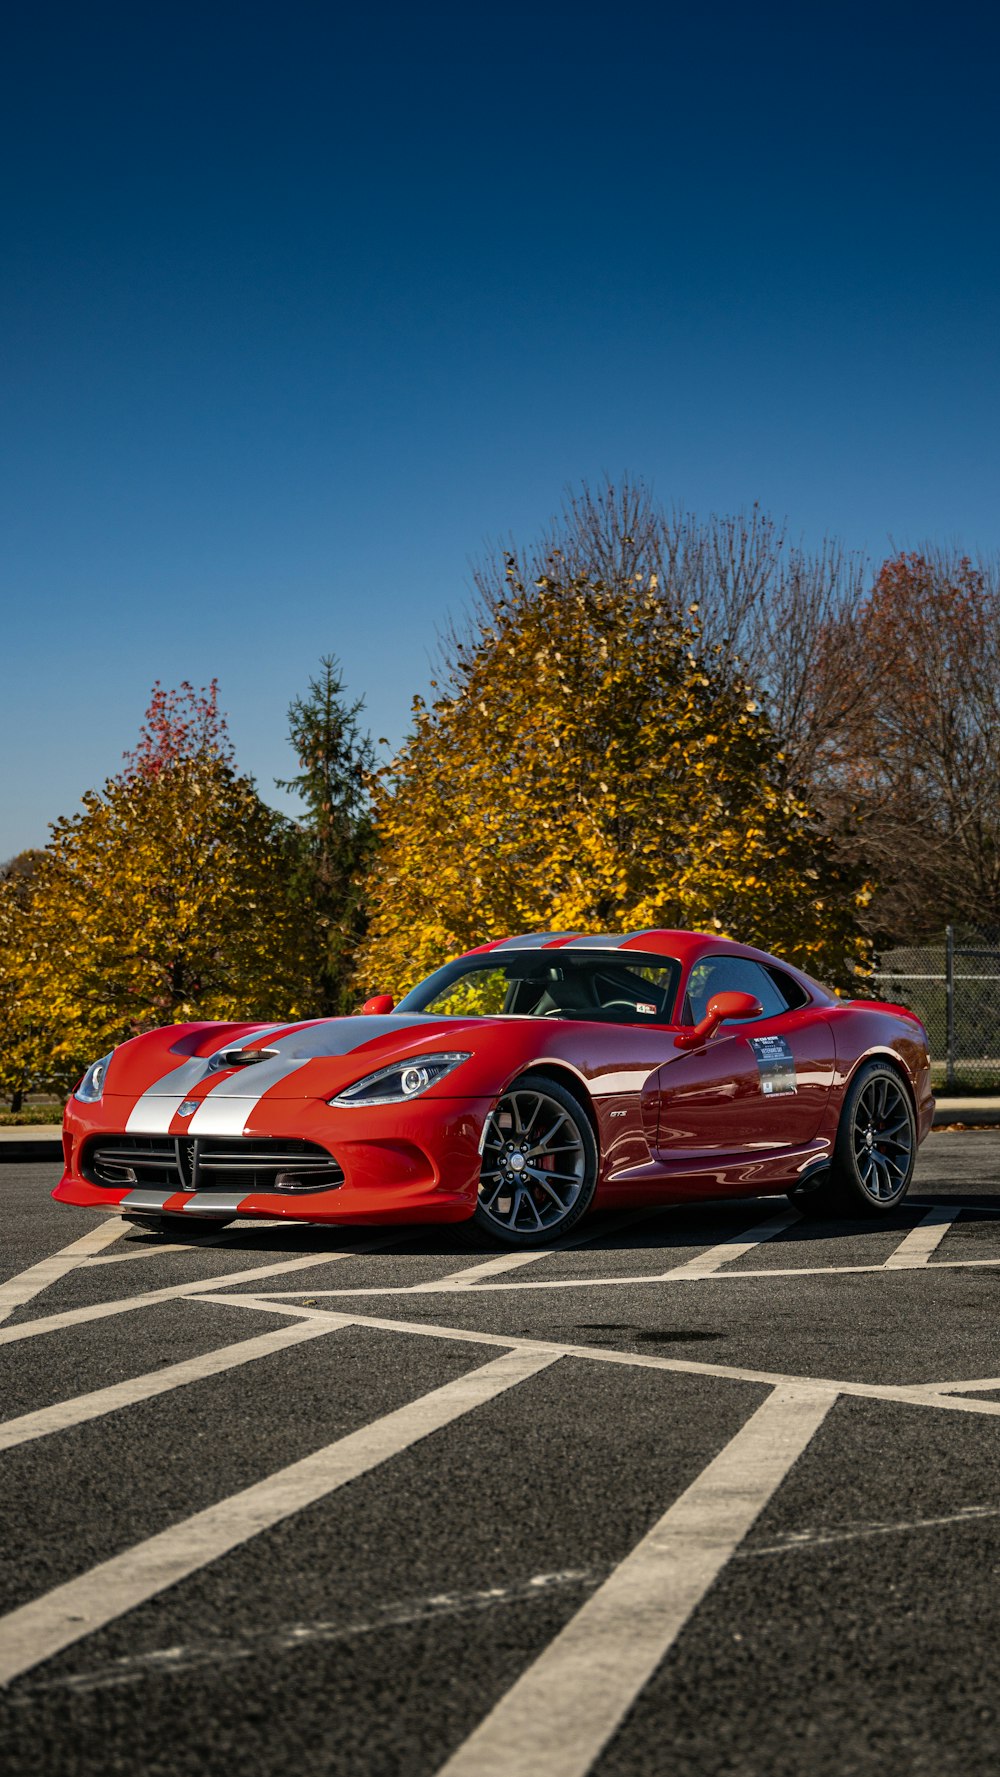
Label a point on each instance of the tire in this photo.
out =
(874, 1153)
(559, 1188)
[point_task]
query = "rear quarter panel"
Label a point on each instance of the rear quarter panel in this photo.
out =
(865, 1030)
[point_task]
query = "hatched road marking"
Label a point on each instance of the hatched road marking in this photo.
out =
(38, 1630)
(74, 1317)
(568, 1703)
(945, 1395)
(704, 1263)
(564, 1709)
(20, 1289)
(924, 1239)
(63, 1414)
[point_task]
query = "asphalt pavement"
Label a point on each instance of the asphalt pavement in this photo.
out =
(704, 1490)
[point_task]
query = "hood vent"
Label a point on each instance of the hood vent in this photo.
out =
(240, 1058)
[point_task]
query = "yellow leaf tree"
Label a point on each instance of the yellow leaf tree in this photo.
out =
(586, 768)
(165, 900)
(26, 1039)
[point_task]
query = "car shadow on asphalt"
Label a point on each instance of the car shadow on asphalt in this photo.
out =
(676, 1226)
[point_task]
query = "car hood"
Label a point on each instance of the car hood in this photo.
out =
(314, 1059)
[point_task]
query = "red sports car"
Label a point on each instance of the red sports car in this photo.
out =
(517, 1087)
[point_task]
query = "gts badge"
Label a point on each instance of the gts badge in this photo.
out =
(617, 1113)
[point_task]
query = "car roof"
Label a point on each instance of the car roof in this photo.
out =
(685, 947)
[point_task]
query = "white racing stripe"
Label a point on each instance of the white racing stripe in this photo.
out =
(155, 1109)
(924, 1239)
(228, 1104)
(565, 1708)
(20, 1289)
(82, 1407)
(65, 1615)
(735, 1247)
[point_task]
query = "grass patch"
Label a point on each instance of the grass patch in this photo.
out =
(32, 1114)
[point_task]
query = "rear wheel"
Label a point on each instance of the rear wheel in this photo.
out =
(874, 1152)
(539, 1167)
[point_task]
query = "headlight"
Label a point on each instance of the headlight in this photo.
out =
(92, 1085)
(403, 1080)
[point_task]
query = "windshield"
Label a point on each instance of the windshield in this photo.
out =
(598, 985)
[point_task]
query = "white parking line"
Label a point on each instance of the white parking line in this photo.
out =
(703, 1264)
(200, 1239)
(503, 1262)
(222, 1650)
(63, 1616)
(916, 1248)
(944, 1395)
(471, 1274)
(74, 1317)
(564, 1709)
(625, 1281)
(20, 1289)
(82, 1407)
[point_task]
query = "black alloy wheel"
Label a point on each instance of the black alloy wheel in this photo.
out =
(875, 1149)
(539, 1166)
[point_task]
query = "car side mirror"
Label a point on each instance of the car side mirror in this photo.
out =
(384, 1002)
(720, 1007)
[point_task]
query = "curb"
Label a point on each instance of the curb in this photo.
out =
(989, 1118)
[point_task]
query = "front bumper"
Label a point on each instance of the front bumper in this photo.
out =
(416, 1162)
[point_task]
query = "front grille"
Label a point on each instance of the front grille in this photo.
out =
(204, 1163)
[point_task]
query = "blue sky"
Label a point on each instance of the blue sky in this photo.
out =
(301, 305)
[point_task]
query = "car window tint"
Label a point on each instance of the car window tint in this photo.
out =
(793, 994)
(612, 988)
(732, 974)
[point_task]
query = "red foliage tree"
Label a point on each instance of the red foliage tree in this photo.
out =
(179, 725)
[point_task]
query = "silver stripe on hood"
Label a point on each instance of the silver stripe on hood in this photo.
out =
(530, 940)
(227, 1107)
(154, 1111)
(339, 1036)
(607, 941)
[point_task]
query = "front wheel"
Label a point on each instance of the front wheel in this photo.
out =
(874, 1153)
(539, 1168)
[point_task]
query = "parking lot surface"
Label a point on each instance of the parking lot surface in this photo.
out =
(703, 1490)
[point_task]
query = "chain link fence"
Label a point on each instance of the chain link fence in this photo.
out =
(954, 987)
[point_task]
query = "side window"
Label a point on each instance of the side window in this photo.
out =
(732, 974)
(793, 995)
